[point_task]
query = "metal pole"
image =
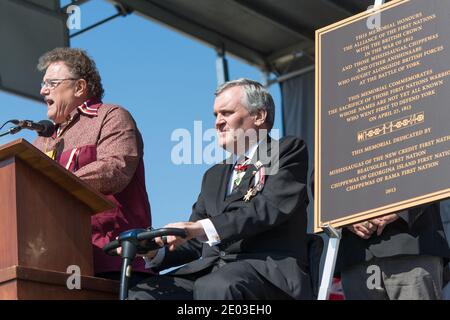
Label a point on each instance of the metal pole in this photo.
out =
(290, 75)
(221, 67)
(121, 11)
(265, 75)
(95, 25)
(330, 261)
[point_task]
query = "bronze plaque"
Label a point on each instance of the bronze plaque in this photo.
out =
(382, 112)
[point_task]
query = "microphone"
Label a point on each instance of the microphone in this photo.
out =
(44, 128)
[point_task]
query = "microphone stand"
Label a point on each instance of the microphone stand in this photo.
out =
(13, 130)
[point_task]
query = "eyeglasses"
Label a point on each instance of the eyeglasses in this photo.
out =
(53, 83)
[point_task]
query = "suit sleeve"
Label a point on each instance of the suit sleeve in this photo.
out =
(411, 216)
(118, 154)
(190, 250)
(283, 194)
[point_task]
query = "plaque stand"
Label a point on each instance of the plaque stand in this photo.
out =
(333, 243)
(330, 261)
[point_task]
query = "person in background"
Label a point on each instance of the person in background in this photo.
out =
(399, 256)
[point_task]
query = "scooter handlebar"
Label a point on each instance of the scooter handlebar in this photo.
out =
(143, 239)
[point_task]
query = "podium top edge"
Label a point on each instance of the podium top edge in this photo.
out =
(33, 157)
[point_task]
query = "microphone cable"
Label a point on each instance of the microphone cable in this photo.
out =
(12, 130)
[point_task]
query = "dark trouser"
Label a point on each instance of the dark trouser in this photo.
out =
(394, 278)
(233, 281)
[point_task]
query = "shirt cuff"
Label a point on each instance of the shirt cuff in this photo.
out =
(210, 231)
(156, 260)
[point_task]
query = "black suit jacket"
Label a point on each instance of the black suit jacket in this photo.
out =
(269, 231)
(418, 231)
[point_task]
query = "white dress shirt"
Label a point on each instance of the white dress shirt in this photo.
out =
(212, 237)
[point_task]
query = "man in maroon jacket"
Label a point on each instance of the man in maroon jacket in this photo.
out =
(100, 144)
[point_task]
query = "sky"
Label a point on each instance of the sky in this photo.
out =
(167, 81)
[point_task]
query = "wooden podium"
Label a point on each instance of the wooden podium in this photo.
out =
(45, 214)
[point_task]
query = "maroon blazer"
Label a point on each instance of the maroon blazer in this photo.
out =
(101, 144)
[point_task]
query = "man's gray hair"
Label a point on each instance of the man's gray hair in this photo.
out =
(79, 64)
(256, 97)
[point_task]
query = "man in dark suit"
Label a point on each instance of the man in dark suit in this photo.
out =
(247, 232)
(397, 256)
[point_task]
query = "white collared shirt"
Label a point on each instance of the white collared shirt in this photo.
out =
(212, 237)
(249, 154)
(210, 231)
